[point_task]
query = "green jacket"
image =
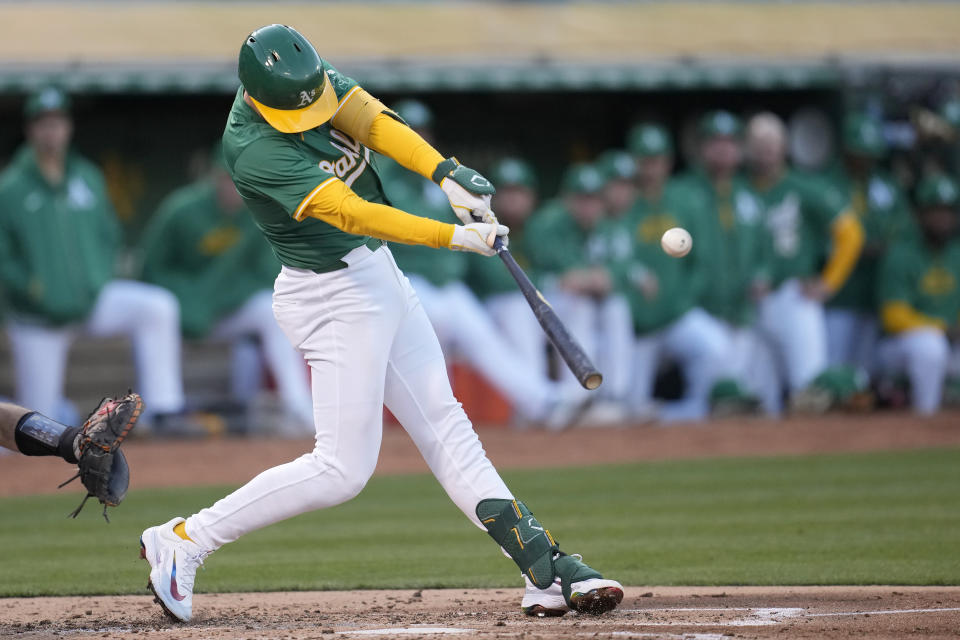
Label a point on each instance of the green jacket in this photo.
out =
(213, 261)
(730, 242)
(925, 278)
(680, 280)
(882, 210)
(414, 194)
(799, 211)
(561, 244)
(58, 244)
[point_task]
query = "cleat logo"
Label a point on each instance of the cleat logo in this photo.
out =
(173, 582)
(533, 526)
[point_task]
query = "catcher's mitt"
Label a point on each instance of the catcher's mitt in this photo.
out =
(102, 466)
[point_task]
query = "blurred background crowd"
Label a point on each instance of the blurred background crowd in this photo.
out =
(819, 186)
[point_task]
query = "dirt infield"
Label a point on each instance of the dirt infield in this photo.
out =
(689, 613)
(234, 461)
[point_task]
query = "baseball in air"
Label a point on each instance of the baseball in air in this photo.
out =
(676, 242)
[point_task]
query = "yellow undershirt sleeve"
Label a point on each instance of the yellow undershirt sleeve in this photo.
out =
(898, 317)
(847, 235)
(336, 204)
(396, 140)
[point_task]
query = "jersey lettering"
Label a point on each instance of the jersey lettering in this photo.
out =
(352, 163)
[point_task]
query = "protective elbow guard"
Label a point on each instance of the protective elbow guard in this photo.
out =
(512, 525)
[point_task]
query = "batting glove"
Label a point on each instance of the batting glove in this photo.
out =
(478, 237)
(468, 191)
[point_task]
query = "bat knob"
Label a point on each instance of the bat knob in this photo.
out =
(593, 381)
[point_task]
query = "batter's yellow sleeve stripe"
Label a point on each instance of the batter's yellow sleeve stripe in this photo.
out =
(301, 211)
(337, 205)
(848, 239)
(898, 316)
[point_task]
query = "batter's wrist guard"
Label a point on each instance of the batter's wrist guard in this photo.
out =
(512, 525)
(466, 177)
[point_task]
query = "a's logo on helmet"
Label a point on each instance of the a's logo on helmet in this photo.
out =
(307, 98)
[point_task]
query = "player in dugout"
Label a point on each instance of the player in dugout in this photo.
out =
(298, 142)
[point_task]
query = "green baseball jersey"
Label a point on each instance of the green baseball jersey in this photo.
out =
(276, 172)
(411, 192)
(799, 212)
(881, 208)
(731, 243)
(211, 259)
(679, 281)
(58, 243)
(925, 278)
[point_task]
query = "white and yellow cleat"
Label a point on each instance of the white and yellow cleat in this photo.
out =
(173, 568)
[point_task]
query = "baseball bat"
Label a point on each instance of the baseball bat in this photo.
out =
(569, 349)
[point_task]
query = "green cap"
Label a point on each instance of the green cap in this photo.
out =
(583, 178)
(720, 123)
(414, 113)
(649, 139)
(950, 111)
(862, 135)
(617, 165)
(284, 76)
(46, 100)
(937, 190)
(513, 172)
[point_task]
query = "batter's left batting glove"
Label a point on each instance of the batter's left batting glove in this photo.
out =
(478, 237)
(468, 191)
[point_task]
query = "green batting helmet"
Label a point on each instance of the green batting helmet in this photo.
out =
(283, 75)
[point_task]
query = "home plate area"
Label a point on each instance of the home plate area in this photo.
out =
(687, 613)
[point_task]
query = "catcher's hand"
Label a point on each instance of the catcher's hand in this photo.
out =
(102, 466)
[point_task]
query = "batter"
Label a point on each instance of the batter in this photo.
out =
(298, 145)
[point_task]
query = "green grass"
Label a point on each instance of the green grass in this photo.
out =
(887, 518)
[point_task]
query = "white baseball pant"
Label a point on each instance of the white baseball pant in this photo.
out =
(851, 338)
(752, 364)
(924, 355)
(255, 319)
(520, 329)
(148, 314)
(699, 345)
(604, 328)
(464, 327)
(368, 343)
(798, 332)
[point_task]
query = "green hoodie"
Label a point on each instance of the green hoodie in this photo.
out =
(680, 280)
(57, 243)
(213, 261)
(731, 244)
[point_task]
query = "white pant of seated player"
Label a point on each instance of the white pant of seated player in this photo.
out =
(464, 327)
(798, 332)
(698, 344)
(752, 364)
(604, 328)
(255, 319)
(369, 343)
(924, 355)
(851, 338)
(520, 329)
(149, 315)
